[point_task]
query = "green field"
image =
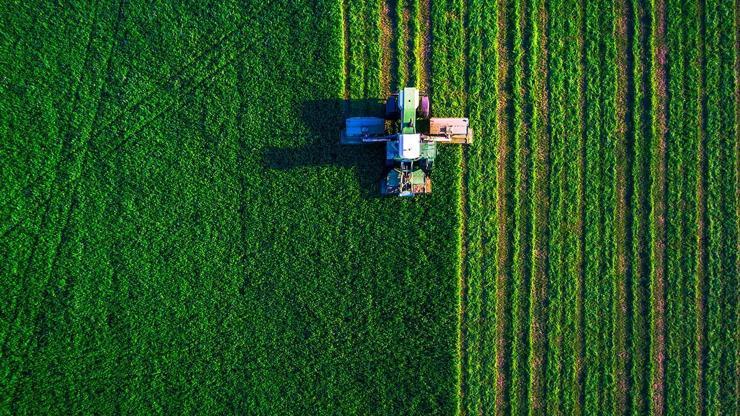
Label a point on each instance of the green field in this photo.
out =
(181, 233)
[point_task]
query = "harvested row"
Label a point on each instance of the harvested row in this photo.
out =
(623, 129)
(521, 198)
(627, 293)
(540, 207)
(681, 205)
(568, 165)
(557, 352)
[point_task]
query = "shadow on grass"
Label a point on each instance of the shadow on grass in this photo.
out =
(325, 121)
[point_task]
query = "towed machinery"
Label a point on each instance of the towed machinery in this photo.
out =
(410, 138)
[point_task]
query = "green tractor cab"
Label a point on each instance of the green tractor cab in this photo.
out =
(409, 152)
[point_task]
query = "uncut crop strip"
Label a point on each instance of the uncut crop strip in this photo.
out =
(55, 220)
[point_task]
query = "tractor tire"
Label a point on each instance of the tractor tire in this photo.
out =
(391, 108)
(427, 166)
(423, 111)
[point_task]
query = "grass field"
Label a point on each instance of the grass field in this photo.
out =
(180, 232)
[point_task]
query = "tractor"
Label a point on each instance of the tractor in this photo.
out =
(410, 138)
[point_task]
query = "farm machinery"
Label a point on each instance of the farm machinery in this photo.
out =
(410, 138)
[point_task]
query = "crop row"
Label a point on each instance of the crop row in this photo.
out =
(606, 158)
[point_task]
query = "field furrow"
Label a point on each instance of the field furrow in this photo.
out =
(539, 208)
(639, 212)
(521, 199)
(700, 261)
(503, 206)
(659, 85)
(621, 359)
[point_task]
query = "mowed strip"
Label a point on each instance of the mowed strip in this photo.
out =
(623, 128)
(473, 314)
(503, 204)
(722, 200)
(659, 82)
(540, 208)
(556, 379)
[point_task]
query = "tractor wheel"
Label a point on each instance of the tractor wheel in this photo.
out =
(427, 166)
(423, 111)
(391, 108)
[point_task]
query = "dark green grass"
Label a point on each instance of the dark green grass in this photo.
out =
(180, 233)
(197, 243)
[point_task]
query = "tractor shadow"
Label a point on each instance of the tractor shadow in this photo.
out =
(320, 147)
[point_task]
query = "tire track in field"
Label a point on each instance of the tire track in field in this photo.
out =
(185, 75)
(47, 203)
(657, 215)
(68, 143)
(127, 133)
(76, 94)
(65, 228)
